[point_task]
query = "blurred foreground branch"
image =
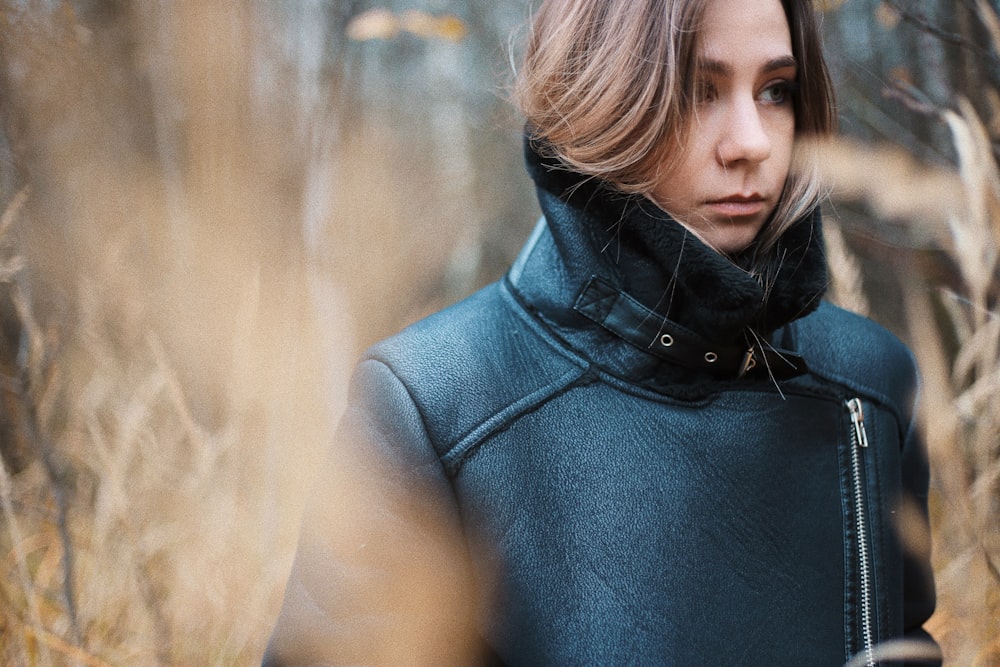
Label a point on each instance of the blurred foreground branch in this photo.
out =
(955, 332)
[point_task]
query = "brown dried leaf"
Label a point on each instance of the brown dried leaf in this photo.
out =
(373, 24)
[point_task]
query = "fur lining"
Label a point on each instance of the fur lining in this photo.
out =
(634, 243)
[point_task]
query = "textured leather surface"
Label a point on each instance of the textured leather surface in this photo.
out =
(624, 526)
(611, 511)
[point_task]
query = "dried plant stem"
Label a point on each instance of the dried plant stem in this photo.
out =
(46, 638)
(16, 538)
(924, 23)
(6, 483)
(13, 208)
(31, 374)
(846, 284)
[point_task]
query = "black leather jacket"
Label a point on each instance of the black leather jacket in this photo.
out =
(629, 506)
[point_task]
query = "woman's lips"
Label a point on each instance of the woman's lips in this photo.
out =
(739, 206)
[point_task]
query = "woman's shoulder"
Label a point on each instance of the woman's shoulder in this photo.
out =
(476, 362)
(859, 353)
(487, 331)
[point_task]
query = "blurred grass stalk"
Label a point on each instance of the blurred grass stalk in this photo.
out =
(175, 358)
(955, 333)
(172, 349)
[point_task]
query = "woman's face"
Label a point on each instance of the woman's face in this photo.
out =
(742, 129)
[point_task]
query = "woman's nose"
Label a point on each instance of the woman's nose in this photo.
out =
(745, 138)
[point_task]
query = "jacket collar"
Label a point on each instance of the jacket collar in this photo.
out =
(624, 265)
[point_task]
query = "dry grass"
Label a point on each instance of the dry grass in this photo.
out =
(176, 327)
(955, 332)
(172, 350)
(173, 371)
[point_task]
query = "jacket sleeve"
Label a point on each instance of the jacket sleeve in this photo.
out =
(380, 573)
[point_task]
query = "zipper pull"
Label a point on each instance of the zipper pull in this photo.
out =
(858, 421)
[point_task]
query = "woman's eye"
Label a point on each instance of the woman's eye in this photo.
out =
(778, 92)
(706, 92)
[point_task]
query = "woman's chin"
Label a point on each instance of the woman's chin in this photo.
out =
(728, 239)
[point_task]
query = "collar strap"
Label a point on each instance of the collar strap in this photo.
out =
(625, 317)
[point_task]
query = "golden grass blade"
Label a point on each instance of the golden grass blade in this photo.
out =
(13, 209)
(17, 539)
(856, 172)
(846, 284)
(978, 345)
(989, 17)
(74, 653)
(974, 241)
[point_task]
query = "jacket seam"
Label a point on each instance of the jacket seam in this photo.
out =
(453, 456)
(904, 422)
(539, 326)
(845, 386)
(869, 393)
(457, 454)
(904, 413)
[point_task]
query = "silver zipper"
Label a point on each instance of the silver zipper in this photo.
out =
(859, 440)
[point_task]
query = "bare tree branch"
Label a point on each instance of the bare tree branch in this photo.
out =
(925, 24)
(913, 99)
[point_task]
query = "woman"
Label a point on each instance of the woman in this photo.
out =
(656, 443)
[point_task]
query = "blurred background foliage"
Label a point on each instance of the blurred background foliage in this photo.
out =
(210, 208)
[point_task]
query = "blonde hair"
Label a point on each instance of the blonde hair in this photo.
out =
(606, 84)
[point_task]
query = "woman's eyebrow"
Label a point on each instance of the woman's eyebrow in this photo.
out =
(781, 62)
(712, 66)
